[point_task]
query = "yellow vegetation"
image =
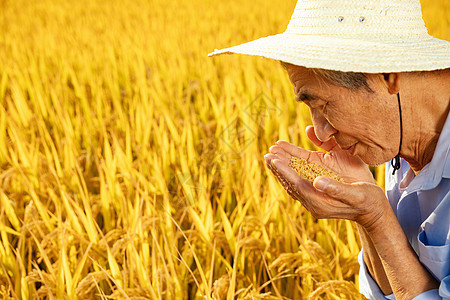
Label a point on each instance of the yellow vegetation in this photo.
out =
(132, 164)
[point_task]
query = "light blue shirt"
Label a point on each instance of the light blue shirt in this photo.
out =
(422, 206)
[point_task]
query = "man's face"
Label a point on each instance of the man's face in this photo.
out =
(364, 123)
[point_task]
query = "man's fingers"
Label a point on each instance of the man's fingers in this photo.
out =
(269, 162)
(268, 158)
(347, 193)
(297, 187)
(293, 150)
(283, 157)
(279, 166)
(284, 170)
(275, 149)
(302, 186)
(311, 134)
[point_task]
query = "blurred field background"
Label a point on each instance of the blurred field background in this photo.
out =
(132, 164)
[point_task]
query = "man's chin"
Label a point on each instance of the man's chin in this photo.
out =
(377, 165)
(373, 160)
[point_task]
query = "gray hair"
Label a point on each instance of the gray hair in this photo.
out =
(350, 80)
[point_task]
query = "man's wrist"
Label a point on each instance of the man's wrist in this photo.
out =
(378, 217)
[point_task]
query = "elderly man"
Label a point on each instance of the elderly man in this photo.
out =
(378, 88)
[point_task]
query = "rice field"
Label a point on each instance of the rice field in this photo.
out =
(132, 164)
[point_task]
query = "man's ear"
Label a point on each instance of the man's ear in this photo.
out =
(392, 82)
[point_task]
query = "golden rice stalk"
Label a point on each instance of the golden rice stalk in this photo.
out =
(310, 171)
(335, 289)
(220, 287)
(87, 285)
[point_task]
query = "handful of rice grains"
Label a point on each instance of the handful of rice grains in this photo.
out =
(310, 171)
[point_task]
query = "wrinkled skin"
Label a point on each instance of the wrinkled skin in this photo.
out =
(368, 119)
(342, 118)
(357, 128)
(328, 202)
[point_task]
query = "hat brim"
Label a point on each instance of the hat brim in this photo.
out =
(349, 54)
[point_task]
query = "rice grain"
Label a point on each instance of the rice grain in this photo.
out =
(310, 171)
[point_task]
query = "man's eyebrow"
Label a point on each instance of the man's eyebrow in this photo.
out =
(304, 96)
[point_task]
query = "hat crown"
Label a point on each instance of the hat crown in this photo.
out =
(370, 36)
(373, 19)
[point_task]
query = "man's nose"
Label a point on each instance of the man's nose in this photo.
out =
(324, 130)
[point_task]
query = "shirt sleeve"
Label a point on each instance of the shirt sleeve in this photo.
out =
(370, 289)
(437, 260)
(434, 248)
(367, 285)
(429, 295)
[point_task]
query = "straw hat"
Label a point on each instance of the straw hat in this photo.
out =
(370, 36)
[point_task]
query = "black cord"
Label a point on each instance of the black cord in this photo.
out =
(395, 162)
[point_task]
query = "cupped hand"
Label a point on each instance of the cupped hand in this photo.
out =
(358, 199)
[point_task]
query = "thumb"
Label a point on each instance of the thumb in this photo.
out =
(336, 189)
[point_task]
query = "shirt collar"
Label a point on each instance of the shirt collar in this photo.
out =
(439, 167)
